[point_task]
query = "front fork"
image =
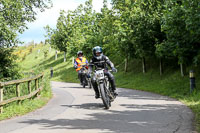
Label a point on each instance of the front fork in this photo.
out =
(108, 88)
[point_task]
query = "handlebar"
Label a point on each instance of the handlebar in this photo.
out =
(82, 66)
(104, 69)
(94, 63)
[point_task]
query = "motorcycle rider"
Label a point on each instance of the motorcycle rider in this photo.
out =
(102, 61)
(80, 60)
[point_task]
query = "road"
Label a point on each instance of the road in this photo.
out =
(75, 110)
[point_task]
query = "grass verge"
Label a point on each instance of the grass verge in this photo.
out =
(14, 109)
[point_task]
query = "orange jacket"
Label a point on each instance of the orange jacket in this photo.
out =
(79, 62)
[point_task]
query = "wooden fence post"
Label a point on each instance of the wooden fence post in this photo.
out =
(29, 87)
(38, 82)
(36, 85)
(39, 92)
(1, 98)
(18, 91)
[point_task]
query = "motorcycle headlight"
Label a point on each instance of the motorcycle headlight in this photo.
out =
(98, 75)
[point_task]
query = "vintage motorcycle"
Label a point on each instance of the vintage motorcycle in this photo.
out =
(104, 87)
(85, 80)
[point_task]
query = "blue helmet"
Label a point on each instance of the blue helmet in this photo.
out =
(97, 52)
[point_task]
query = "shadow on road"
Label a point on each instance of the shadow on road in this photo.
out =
(136, 94)
(143, 119)
(86, 106)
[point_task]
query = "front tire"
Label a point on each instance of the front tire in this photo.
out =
(104, 96)
(84, 81)
(90, 84)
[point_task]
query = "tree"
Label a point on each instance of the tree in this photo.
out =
(59, 37)
(180, 23)
(73, 29)
(13, 18)
(123, 31)
(139, 27)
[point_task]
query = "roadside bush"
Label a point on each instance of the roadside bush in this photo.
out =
(8, 67)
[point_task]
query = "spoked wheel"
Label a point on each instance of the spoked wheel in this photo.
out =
(104, 96)
(90, 84)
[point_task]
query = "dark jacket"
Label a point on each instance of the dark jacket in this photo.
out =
(102, 63)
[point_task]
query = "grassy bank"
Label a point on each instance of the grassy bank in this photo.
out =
(27, 64)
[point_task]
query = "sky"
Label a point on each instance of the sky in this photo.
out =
(49, 17)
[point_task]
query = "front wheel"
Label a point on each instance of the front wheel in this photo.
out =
(104, 96)
(89, 83)
(84, 81)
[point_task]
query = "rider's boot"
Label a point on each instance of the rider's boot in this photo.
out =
(86, 82)
(115, 93)
(97, 95)
(113, 87)
(96, 91)
(95, 87)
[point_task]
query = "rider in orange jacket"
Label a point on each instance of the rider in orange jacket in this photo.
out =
(79, 62)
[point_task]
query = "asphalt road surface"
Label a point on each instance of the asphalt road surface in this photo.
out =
(74, 109)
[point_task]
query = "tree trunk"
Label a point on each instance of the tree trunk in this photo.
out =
(56, 55)
(126, 64)
(64, 56)
(182, 71)
(143, 65)
(161, 66)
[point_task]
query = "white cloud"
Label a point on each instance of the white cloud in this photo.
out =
(49, 17)
(98, 4)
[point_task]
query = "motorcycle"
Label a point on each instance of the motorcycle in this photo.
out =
(104, 86)
(85, 80)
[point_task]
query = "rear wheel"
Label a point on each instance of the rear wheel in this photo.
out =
(104, 96)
